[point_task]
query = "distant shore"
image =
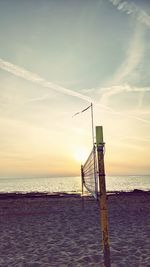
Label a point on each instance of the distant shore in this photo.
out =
(60, 230)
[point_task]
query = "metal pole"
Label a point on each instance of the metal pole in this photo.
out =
(92, 123)
(103, 197)
(94, 153)
(82, 183)
(82, 178)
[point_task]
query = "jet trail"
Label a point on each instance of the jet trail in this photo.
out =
(132, 9)
(35, 78)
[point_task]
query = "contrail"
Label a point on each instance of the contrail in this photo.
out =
(30, 76)
(114, 90)
(35, 78)
(134, 55)
(133, 10)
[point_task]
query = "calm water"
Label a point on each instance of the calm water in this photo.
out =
(71, 184)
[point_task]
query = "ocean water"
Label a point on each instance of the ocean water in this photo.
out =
(71, 184)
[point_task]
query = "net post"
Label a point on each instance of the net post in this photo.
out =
(103, 196)
(82, 178)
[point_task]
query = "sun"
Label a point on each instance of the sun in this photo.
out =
(81, 154)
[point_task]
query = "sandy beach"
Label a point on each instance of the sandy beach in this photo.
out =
(45, 231)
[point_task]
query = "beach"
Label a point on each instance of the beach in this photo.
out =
(64, 230)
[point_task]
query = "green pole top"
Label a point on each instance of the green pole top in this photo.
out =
(99, 135)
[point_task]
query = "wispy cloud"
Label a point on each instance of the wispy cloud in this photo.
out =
(138, 119)
(32, 77)
(134, 55)
(108, 92)
(35, 78)
(38, 99)
(132, 9)
(120, 81)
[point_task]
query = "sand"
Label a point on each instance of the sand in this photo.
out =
(58, 231)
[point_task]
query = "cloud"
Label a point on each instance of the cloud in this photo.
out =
(138, 119)
(134, 56)
(37, 99)
(142, 112)
(32, 77)
(35, 78)
(133, 10)
(119, 83)
(117, 89)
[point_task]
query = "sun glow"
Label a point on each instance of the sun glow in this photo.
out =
(81, 154)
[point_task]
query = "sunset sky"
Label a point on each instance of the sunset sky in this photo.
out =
(56, 57)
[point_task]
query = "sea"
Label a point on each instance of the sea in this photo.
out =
(71, 184)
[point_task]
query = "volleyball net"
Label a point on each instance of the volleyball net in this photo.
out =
(89, 173)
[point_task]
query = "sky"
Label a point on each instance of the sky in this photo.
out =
(56, 57)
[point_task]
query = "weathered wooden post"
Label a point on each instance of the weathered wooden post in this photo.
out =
(103, 196)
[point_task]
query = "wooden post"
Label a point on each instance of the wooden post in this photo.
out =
(103, 196)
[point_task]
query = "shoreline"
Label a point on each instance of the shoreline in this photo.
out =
(15, 195)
